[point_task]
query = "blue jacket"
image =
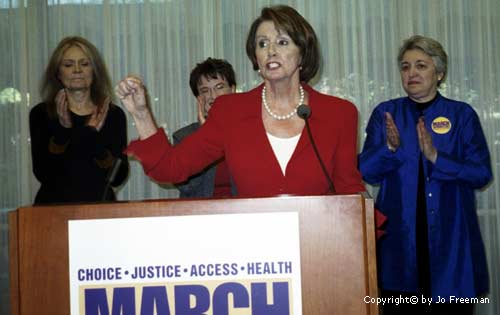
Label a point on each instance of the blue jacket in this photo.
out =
(457, 259)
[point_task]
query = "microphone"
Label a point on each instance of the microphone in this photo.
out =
(304, 112)
(111, 177)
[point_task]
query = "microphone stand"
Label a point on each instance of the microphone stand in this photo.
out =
(304, 111)
(111, 177)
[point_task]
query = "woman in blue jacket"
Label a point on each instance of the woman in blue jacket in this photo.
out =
(428, 154)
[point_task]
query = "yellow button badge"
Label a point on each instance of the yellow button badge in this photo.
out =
(441, 125)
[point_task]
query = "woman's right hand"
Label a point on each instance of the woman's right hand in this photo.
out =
(393, 140)
(132, 94)
(62, 109)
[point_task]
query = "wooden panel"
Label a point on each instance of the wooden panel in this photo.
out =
(371, 255)
(336, 240)
(13, 264)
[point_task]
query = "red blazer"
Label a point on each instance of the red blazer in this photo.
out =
(235, 130)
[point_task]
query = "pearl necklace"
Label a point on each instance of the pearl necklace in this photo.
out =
(282, 117)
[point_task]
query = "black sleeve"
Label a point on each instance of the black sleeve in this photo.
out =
(47, 133)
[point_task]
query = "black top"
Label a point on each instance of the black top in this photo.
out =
(422, 240)
(72, 164)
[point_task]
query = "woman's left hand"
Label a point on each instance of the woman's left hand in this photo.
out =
(99, 115)
(425, 141)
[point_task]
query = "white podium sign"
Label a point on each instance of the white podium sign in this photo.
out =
(194, 264)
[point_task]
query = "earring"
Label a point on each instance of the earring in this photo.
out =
(258, 70)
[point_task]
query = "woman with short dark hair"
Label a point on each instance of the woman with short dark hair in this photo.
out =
(259, 132)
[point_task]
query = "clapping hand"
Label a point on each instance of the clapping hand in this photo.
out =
(425, 141)
(99, 115)
(201, 113)
(62, 109)
(393, 140)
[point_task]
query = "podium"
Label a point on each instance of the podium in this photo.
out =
(337, 246)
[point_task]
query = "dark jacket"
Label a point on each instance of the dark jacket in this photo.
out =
(202, 184)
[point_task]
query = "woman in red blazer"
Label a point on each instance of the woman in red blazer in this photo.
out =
(258, 132)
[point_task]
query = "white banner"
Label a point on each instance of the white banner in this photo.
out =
(186, 265)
